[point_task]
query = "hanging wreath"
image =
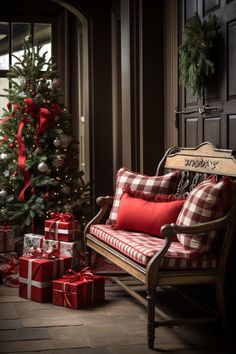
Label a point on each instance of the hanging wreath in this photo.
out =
(196, 62)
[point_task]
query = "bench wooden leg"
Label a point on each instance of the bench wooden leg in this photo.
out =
(221, 308)
(151, 318)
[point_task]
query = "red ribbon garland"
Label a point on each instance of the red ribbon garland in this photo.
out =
(22, 158)
(44, 116)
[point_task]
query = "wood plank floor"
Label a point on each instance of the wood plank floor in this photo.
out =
(117, 326)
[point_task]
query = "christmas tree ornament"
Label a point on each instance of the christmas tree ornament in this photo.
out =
(57, 142)
(65, 140)
(12, 145)
(3, 194)
(4, 156)
(6, 173)
(65, 190)
(58, 161)
(43, 167)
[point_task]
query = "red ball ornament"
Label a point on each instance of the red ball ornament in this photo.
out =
(15, 173)
(47, 196)
(33, 190)
(12, 145)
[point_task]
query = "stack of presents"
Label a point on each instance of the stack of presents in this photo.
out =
(50, 269)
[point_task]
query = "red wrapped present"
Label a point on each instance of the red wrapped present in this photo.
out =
(61, 227)
(36, 275)
(7, 238)
(78, 289)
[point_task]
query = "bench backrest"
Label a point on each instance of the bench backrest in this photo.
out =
(196, 165)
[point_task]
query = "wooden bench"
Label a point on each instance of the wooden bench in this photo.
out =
(195, 164)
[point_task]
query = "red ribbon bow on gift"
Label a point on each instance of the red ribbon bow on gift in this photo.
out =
(51, 253)
(56, 216)
(83, 276)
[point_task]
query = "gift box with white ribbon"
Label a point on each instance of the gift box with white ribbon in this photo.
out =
(61, 227)
(36, 275)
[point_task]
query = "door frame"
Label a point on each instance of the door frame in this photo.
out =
(170, 72)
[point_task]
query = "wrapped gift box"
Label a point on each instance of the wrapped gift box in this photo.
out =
(78, 293)
(62, 229)
(66, 249)
(36, 275)
(32, 241)
(7, 238)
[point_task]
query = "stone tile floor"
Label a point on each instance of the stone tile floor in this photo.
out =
(117, 326)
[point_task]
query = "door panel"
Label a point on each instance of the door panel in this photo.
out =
(217, 123)
(209, 6)
(191, 132)
(212, 130)
(232, 130)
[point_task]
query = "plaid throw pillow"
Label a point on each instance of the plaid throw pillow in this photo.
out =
(206, 202)
(166, 184)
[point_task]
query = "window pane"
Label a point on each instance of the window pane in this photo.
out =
(4, 48)
(3, 100)
(43, 38)
(19, 32)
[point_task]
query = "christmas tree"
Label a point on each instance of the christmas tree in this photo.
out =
(39, 157)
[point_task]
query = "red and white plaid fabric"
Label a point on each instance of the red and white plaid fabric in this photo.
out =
(206, 202)
(142, 247)
(166, 184)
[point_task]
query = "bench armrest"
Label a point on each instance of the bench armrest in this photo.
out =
(216, 224)
(170, 230)
(103, 203)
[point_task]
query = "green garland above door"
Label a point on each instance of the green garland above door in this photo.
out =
(196, 53)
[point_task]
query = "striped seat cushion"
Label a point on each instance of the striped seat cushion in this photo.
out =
(141, 248)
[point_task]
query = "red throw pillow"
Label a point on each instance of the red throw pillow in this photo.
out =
(165, 184)
(146, 216)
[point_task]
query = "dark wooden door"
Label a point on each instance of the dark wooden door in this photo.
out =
(218, 123)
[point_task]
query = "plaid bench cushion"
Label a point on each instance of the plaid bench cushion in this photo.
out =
(141, 247)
